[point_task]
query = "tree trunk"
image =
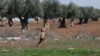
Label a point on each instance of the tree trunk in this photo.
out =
(71, 22)
(45, 21)
(80, 21)
(1, 23)
(63, 23)
(24, 23)
(36, 19)
(86, 20)
(94, 19)
(10, 22)
(24, 20)
(59, 19)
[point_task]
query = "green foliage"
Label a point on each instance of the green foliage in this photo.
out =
(36, 8)
(53, 8)
(72, 10)
(48, 52)
(64, 10)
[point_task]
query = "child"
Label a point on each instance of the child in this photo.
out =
(42, 37)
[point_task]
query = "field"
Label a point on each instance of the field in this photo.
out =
(78, 40)
(49, 52)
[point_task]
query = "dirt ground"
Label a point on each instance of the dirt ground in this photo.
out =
(92, 28)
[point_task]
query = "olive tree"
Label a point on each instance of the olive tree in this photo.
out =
(24, 9)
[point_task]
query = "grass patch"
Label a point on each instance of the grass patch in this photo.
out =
(48, 52)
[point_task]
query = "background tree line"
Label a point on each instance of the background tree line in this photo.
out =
(23, 9)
